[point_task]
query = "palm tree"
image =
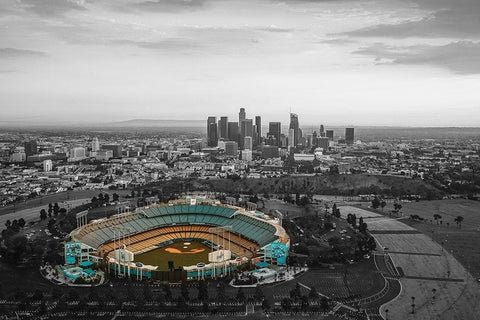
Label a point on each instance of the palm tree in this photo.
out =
(437, 217)
(459, 220)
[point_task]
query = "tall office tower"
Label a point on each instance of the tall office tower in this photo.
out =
(329, 134)
(223, 127)
(231, 148)
(314, 139)
(291, 138)
(212, 133)
(242, 115)
(95, 145)
(258, 130)
(248, 143)
(31, 148)
(283, 141)
(115, 148)
(309, 140)
(233, 131)
(322, 131)
(349, 135)
(274, 130)
(296, 129)
(324, 143)
(246, 130)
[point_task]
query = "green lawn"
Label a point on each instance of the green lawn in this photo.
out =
(160, 257)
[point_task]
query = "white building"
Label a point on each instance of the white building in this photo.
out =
(95, 145)
(18, 157)
(104, 155)
(47, 165)
(247, 155)
(77, 153)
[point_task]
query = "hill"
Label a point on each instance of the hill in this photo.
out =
(349, 185)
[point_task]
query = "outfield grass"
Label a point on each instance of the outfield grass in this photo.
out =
(178, 252)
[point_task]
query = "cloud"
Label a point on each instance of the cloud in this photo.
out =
(461, 57)
(170, 44)
(442, 19)
(52, 7)
(14, 53)
(274, 28)
(170, 5)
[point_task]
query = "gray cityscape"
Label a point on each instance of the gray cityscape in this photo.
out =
(186, 159)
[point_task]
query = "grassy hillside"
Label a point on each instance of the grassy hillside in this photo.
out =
(329, 184)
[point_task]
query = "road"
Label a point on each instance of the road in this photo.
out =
(59, 197)
(33, 214)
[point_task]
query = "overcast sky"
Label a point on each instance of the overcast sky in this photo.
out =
(379, 62)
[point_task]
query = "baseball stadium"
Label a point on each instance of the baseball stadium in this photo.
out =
(190, 238)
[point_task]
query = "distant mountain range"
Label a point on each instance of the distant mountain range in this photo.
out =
(155, 123)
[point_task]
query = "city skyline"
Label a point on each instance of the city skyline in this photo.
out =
(387, 63)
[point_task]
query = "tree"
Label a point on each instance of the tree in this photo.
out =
(185, 293)
(43, 214)
(259, 294)
(437, 217)
(296, 293)
(21, 222)
(106, 198)
(147, 293)
(383, 203)
(202, 291)
(115, 197)
(240, 295)
(313, 294)
(168, 292)
(56, 208)
(375, 203)
(94, 199)
(266, 304)
(324, 304)
(100, 197)
(38, 295)
(286, 304)
(459, 220)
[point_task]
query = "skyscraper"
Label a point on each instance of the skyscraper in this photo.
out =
(330, 134)
(248, 143)
(246, 130)
(233, 131)
(95, 144)
(291, 138)
(258, 130)
(212, 133)
(242, 115)
(31, 148)
(223, 127)
(274, 130)
(231, 148)
(296, 129)
(322, 131)
(349, 135)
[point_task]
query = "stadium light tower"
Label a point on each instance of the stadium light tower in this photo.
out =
(216, 231)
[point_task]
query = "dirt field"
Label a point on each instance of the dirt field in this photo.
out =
(426, 266)
(448, 209)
